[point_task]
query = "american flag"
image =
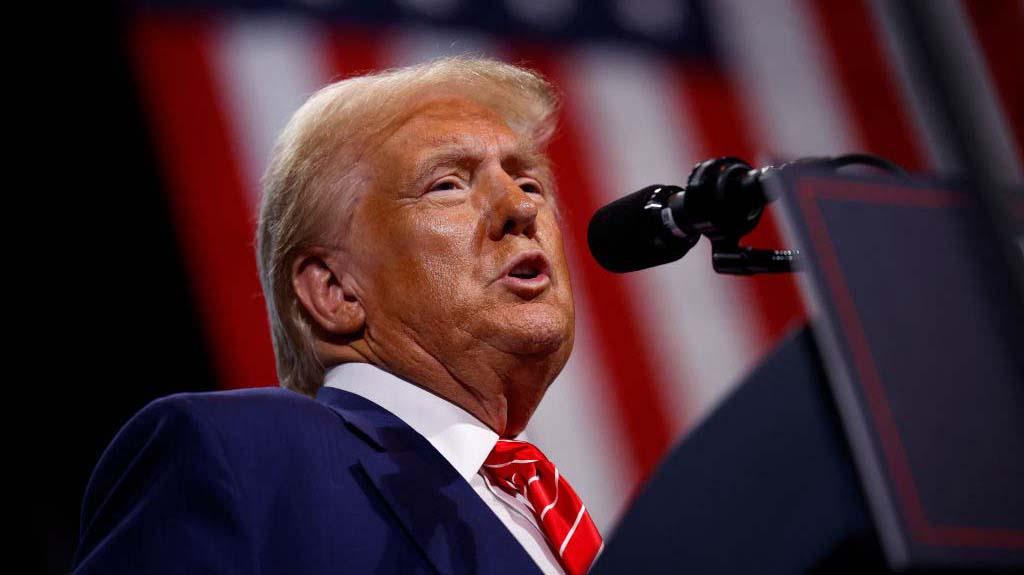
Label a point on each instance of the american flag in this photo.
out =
(650, 88)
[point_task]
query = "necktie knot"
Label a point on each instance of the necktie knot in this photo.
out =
(520, 469)
(515, 465)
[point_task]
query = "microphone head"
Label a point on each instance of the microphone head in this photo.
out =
(629, 235)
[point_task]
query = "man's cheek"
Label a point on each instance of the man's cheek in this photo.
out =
(446, 224)
(447, 278)
(446, 247)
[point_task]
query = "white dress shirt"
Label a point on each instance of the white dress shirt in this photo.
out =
(459, 437)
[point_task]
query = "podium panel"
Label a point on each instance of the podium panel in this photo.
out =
(922, 336)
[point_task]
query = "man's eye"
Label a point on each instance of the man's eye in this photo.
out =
(530, 187)
(445, 185)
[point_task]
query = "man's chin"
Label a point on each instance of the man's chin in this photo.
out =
(528, 329)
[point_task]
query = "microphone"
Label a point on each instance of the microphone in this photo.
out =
(629, 234)
(723, 200)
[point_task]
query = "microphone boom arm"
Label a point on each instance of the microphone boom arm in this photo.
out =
(730, 198)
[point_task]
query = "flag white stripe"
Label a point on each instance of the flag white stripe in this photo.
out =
(776, 49)
(266, 67)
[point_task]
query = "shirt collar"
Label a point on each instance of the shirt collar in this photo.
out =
(463, 440)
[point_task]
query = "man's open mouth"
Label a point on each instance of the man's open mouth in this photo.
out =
(525, 271)
(528, 273)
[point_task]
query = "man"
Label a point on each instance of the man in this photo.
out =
(419, 298)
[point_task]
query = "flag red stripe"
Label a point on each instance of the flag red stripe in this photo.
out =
(206, 195)
(631, 371)
(998, 26)
(713, 108)
(867, 79)
(353, 51)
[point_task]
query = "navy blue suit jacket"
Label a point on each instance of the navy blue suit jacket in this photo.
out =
(269, 481)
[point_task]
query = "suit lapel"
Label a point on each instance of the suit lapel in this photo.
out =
(438, 508)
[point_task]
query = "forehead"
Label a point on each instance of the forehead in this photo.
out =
(453, 124)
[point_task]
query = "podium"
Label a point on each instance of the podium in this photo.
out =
(887, 435)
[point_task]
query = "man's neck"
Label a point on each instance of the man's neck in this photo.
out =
(500, 390)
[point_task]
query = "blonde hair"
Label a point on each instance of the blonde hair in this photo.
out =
(310, 185)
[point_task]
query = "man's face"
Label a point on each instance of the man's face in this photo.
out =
(456, 244)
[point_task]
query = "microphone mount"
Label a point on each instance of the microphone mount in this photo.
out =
(724, 200)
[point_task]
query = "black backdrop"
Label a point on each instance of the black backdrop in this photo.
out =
(106, 323)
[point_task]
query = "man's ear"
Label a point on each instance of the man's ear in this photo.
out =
(325, 296)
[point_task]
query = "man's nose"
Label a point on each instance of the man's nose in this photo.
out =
(513, 211)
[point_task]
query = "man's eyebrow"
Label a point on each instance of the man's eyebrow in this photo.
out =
(446, 155)
(464, 154)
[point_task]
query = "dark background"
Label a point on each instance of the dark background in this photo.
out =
(109, 322)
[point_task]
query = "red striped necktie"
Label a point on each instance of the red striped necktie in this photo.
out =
(519, 468)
